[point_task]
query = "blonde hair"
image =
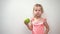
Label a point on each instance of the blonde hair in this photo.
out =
(39, 5)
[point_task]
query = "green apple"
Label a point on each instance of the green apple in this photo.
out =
(27, 20)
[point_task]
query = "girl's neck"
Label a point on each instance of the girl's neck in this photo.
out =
(37, 17)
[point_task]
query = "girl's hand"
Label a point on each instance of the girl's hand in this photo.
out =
(26, 21)
(29, 25)
(46, 26)
(45, 32)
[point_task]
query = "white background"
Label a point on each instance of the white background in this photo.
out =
(13, 13)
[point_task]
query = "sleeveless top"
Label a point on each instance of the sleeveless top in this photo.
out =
(38, 26)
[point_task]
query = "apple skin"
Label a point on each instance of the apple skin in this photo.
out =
(27, 20)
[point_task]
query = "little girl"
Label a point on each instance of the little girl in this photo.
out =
(37, 23)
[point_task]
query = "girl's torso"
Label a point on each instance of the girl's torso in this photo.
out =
(38, 26)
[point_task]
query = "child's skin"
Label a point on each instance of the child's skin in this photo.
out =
(37, 12)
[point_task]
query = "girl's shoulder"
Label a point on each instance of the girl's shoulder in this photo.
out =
(44, 19)
(32, 19)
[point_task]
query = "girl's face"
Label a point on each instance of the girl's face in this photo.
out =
(37, 11)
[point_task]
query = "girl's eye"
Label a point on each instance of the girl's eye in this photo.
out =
(39, 10)
(35, 10)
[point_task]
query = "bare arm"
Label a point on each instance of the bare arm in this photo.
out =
(47, 27)
(29, 26)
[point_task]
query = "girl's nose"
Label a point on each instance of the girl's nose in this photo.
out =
(37, 11)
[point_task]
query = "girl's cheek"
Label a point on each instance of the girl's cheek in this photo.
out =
(34, 12)
(40, 12)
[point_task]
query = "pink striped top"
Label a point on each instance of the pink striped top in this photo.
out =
(38, 27)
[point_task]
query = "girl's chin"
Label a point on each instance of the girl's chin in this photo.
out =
(38, 15)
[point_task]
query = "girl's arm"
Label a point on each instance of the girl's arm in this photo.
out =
(47, 26)
(29, 25)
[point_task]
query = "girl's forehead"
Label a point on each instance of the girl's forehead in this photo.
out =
(37, 7)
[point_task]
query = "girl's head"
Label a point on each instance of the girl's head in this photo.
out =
(37, 10)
